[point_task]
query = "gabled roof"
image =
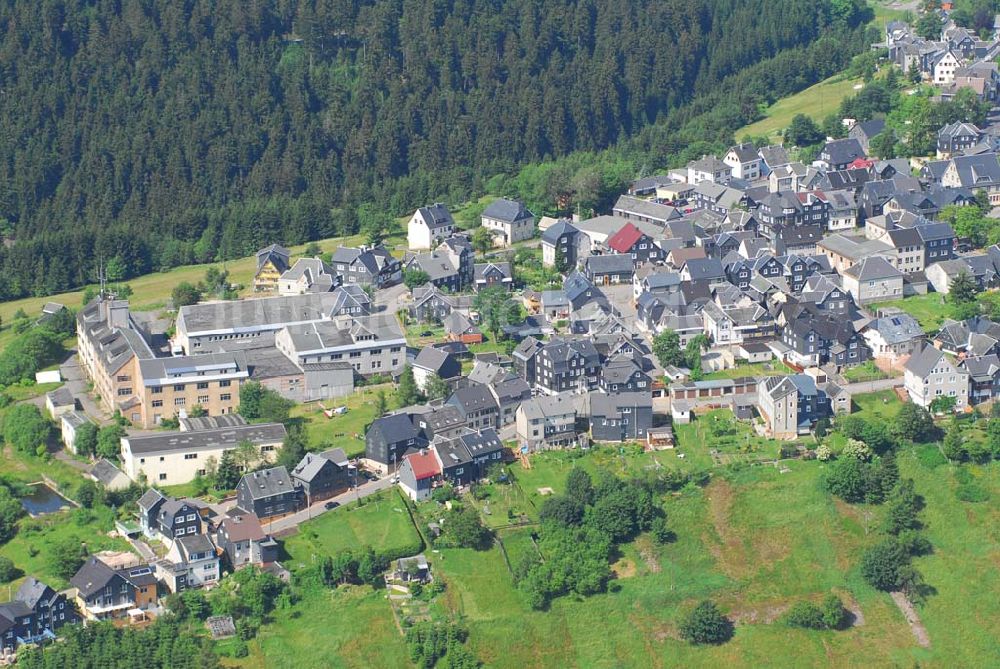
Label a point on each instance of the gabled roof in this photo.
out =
(309, 467)
(506, 210)
(613, 263)
(704, 269)
(623, 240)
(873, 268)
(436, 216)
(557, 230)
(432, 359)
(393, 428)
(150, 498)
(924, 361)
(843, 151)
(268, 483)
(423, 464)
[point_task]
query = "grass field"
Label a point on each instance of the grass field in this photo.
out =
(346, 430)
(738, 542)
(930, 310)
(816, 101)
(382, 522)
(348, 627)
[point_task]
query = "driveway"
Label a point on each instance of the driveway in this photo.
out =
(319, 508)
(76, 381)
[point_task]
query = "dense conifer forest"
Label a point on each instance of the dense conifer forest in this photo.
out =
(164, 132)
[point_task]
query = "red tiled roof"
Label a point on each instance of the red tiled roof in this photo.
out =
(623, 240)
(424, 465)
(861, 163)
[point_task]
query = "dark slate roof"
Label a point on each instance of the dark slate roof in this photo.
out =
(871, 128)
(310, 467)
(396, 427)
(842, 151)
(705, 269)
(873, 268)
(473, 398)
(431, 358)
(614, 263)
(268, 482)
(150, 498)
(557, 230)
(745, 153)
(603, 404)
(506, 210)
(92, 577)
(923, 362)
(436, 216)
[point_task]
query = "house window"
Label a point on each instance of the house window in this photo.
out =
(225, 384)
(178, 387)
(156, 390)
(225, 397)
(157, 403)
(179, 401)
(190, 456)
(202, 385)
(163, 477)
(202, 399)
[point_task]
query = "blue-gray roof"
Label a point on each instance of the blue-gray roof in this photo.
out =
(507, 210)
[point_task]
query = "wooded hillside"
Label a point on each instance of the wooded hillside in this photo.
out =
(165, 132)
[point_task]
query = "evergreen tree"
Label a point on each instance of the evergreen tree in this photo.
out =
(407, 392)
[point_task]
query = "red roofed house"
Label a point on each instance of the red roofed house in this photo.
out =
(418, 473)
(632, 240)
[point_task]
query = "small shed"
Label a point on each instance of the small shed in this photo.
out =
(660, 438)
(60, 401)
(680, 412)
(414, 569)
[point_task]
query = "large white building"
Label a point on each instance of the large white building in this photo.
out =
(370, 344)
(173, 458)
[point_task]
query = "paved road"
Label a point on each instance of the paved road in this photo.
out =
(319, 508)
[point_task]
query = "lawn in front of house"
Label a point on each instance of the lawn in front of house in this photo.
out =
(381, 521)
(930, 310)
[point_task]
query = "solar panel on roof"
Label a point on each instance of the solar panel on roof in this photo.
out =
(141, 571)
(896, 321)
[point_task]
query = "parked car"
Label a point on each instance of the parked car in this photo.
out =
(331, 505)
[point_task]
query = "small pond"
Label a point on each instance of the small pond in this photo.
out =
(43, 500)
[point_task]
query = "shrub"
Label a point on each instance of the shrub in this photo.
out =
(834, 613)
(882, 565)
(706, 625)
(972, 492)
(806, 615)
(8, 572)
